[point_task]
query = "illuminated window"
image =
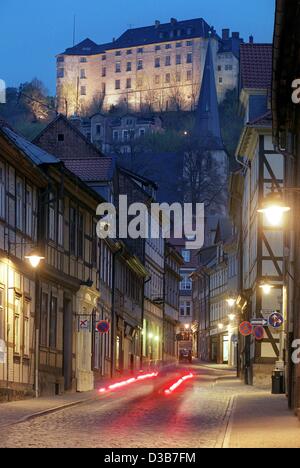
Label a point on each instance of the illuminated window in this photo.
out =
(26, 339)
(186, 254)
(17, 326)
(2, 323)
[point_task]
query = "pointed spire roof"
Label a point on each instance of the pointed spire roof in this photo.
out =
(207, 126)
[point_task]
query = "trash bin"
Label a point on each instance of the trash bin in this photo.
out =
(278, 383)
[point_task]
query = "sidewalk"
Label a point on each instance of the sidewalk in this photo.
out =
(20, 411)
(260, 420)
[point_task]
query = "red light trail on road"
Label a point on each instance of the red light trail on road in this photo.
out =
(177, 384)
(127, 382)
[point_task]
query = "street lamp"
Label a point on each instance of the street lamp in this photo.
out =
(274, 208)
(34, 258)
(231, 302)
(220, 326)
(266, 287)
(231, 317)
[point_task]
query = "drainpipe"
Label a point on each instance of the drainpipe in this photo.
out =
(113, 315)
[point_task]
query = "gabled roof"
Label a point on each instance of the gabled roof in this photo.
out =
(73, 128)
(86, 47)
(256, 66)
(37, 155)
(167, 32)
(207, 124)
(92, 169)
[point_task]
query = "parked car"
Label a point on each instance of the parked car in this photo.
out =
(185, 355)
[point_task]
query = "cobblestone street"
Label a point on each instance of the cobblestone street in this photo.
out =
(205, 412)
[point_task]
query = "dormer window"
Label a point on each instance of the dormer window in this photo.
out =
(83, 60)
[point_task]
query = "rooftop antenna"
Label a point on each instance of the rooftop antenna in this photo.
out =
(74, 29)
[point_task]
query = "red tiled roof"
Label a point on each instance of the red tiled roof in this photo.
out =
(256, 66)
(91, 169)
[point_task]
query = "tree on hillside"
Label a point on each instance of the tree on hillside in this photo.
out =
(34, 97)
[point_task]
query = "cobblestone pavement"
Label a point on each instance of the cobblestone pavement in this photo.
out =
(139, 416)
(205, 413)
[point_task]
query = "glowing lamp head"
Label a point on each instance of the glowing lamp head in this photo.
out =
(187, 327)
(220, 326)
(156, 339)
(231, 302)
(273, 208)
(150, 336)
(231, 317)
(34, 258)
(266, 288)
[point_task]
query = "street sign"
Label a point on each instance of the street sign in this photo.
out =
(84, 324)
(246, 329)
(259, 322)
(259, 333)
(276, 320)
(103, 327)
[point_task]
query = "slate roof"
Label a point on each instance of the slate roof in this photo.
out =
(33, 152)
(207, 128)
(256, 66)
(264, 120)
(92, 169)
(146, 35)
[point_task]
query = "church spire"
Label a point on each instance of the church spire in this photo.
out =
(207, 126)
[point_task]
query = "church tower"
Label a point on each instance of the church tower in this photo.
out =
(206, 165)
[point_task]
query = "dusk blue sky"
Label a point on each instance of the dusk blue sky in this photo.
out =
(32, 32)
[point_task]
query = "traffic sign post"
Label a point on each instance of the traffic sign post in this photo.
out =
(259, 333)
(276, 320)
(103, 327)
(246, 329)
(259, 322)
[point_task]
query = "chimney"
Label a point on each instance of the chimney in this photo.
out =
(173, 20)
(235, 35)
(157, 24)
(251, 40)
(225, 34)
(113, 39)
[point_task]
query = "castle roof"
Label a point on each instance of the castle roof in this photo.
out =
(175, 30)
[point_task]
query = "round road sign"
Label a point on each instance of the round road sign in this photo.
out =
(102, 327)
(259, 333)
(246, 329)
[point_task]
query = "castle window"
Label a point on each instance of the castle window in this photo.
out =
(178, 45)
(178, 59)
(189, 58)
(168, 61)
(60, 73)
(103, 58)
(82, 74)
(83, 90)
(168, 46)
(103, 71)
(129, 52)
(157, 48)
(157, 62)
(140, 50)
(60, 59)
(189, 43)
(118, 84)
(168, 78)
(140, 65)
(128, 83)
(129, 66)
(219, 68)
(189, 75)
(118, 53)
(83, 60)
(118, 67)
(220, 80)
(157, 79)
